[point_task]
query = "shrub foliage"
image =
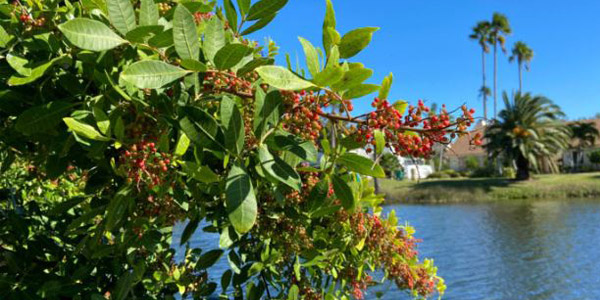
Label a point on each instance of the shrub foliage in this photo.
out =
(120, 118)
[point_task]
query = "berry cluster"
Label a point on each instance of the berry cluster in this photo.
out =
(26, 18)
(413, 134)
(359, 285)
(302, 114)
(144, 164)
(199, 17)
(309, 180)
(392, 249)
(216, 81)
(164, 7)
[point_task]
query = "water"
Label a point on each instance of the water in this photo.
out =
(523, 250)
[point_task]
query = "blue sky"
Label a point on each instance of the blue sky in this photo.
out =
(425, 45)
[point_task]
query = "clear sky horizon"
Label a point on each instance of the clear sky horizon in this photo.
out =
(425, 45)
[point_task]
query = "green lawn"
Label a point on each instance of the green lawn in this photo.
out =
(583, 185)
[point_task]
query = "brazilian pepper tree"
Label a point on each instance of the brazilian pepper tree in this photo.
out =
(121, 118)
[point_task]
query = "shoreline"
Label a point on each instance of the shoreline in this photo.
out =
(469, 190)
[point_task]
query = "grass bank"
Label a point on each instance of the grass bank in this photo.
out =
(583, 185)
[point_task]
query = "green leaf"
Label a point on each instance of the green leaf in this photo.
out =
(259, 24)
(90, 34)
(84, 130)
(343, 192)
(117, 208)
(119, 129)
(200, 127)
(182, 144)
(5, 37)
(329, 76)
(294, 293)
(278, 169)
(200, 173)
(267, 110)
(244, 6)
(148, 13)
(386, 85)
(361, 90)
(214, 38)
(401, 106)
(152, 74)
(189, 230)
(143, 34)
(162, 40)
(379, 141)
(328, 26)
(355, 75)
(253, 64)
(233, 124)
(231, 14)
(124, 286)
(185, 36)
(282, 78)
(230, 55)
(304, 150)
(193, 65)
(36, 73)
(333, 72)
(209, 258)
(226, 279)
(356, 40)
(312, 57)
(318, 195)
(19, 64)
(121, 15)
(265, 8)
(102, 120)
(240, 199)
(42, 118)
(360, 164)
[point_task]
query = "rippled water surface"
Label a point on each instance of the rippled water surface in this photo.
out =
(528, 250)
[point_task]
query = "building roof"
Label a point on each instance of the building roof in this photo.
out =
(596, 123)
(462, 146)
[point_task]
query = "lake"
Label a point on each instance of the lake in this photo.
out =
(504, 250)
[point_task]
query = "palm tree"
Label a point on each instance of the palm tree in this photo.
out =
(528, 131)
(481, 34)
(484, 92)
(499, 28)
(586, 135)
(523, 54)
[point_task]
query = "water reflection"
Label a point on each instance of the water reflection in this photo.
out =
(512, 250)
(529, 250)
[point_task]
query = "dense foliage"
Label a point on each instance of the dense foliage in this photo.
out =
(119, 119)
(528, 131)
(389, 162)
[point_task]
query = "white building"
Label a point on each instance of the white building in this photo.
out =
(414, 168)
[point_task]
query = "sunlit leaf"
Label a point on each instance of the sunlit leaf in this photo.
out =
(90, 34)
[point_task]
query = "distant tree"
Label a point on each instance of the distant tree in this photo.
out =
(471, 162)
(528, 130)
(499, 29)
(523, 55)
(389, 162)
(481, 34)
(595, 157)
(585, 133)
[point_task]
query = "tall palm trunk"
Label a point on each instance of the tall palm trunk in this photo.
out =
(495, 76)
(484, 92)
(522, 168)
(375, 179)
(520, 76)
